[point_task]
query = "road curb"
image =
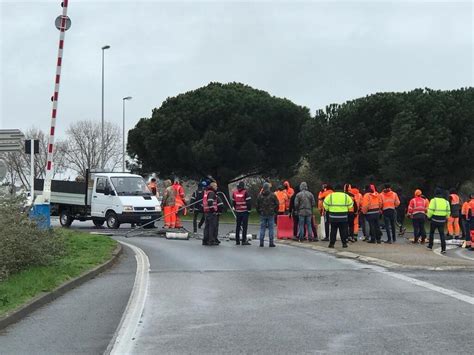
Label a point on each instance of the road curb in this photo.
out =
(44, 298)
(371, 260)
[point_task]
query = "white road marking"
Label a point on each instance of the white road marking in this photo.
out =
(427, 285)
(461, 254)
(122, 342)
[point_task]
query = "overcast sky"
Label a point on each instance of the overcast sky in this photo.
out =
(312, 52)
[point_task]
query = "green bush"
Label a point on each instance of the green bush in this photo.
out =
(22, 244)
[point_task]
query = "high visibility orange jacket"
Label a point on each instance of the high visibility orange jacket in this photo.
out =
(153, 188)
(180, 196)
(357, 197)
(371, 203)
(289, 191)
(282, 200)
(470, 209)
(455, 203)
(390, 199)
(321, 196)
(465, 209)
(418, 206)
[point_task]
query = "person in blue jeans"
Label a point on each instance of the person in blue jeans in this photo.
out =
(304, 204)
(267, 208)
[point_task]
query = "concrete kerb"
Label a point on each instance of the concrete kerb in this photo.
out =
(44, 298)
(371, 260)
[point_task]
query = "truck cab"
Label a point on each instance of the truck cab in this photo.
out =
(118, 198)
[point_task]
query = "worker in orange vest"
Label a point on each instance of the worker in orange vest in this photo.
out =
(168, 203)
(390, 201)
(290, 192)
(465, 228)
(283, 200)
(470, 218)
(326, 191)
(152, 185)
(453, 219)
(417, 209)
(371, 207)
(180, 202)
(358, 218)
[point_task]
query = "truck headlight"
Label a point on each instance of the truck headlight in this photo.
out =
(157, 208)
(128, 208)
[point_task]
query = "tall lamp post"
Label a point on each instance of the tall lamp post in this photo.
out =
(102, 147)
(123, 131)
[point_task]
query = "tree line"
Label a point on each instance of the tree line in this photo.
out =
(417, 139)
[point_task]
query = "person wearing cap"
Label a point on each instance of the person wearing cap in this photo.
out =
(438, 212)
(196, 205)
(242, 203)
(417, 209)
(267, 208)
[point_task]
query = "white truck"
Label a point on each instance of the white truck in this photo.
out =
(113, 198)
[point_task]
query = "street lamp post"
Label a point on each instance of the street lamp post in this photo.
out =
(102, 147)
(123, 131)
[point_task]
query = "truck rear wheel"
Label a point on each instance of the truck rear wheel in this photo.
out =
(98, 222)
(112, 220)
(65, 218)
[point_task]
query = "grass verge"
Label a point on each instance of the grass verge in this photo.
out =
(83, 252)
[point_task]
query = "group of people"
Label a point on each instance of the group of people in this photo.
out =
(343, 209)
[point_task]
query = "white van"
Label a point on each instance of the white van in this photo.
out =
(113, 198)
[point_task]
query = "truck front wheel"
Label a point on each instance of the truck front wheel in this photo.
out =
(65, 218)
(112, 220)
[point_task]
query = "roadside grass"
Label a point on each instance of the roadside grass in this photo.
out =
(83, 252)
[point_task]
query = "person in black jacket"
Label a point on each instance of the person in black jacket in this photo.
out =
(213, 206)
(197, 207)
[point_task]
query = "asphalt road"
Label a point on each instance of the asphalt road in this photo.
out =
(82, 321)
(235, 299)
(231, 299)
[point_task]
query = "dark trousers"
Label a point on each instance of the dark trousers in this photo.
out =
(419, 229)
(374, 227)
(343, 230)
(440, 227)
(389, 220)
(465, 228)
(195, 218)
(326, 225)
(362, 224)
(296, 220)
(350, 221)
(400, 218)
(242, 224)
(211, 228)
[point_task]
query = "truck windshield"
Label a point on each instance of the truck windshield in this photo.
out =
(130, 186)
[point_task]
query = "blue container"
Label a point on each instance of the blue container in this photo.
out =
(41, 214)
